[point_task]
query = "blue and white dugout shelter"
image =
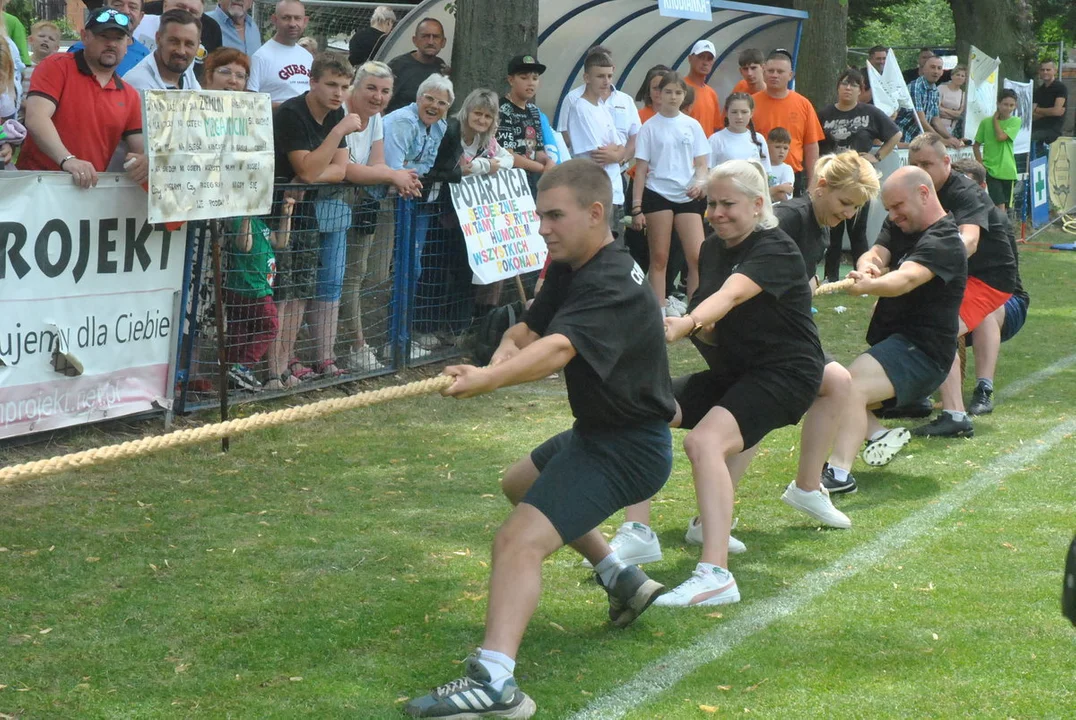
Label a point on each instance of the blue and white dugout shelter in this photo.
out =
(635, 32)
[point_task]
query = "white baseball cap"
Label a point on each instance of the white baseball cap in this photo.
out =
(703, 46)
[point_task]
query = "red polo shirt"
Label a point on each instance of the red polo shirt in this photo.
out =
(90, 119)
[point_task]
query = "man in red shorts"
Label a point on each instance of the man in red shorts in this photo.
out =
(992, 275)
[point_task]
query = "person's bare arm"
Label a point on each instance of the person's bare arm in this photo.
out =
(313, 166)
(538, 360)
(39, 124)
(901, 281)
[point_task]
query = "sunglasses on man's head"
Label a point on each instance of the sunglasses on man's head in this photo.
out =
(111, 14)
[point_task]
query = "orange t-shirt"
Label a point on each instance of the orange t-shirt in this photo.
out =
(707, 108)
(795, 114)
(742, 86)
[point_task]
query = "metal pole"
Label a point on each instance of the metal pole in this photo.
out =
(222, 380)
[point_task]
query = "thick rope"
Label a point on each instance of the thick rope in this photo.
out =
(834, 287)
(179, 438)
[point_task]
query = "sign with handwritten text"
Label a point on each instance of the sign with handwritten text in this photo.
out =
(210, 154)
(496, 214)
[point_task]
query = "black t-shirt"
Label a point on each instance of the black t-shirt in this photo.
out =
(409, 74)
(774, 329)
(620, 374)
(928, 315)
(294, 128)
(1018, 291)
(993, 261)
(1045, 97)
(968, 203)
(364, 44)
(854, 129)
(520, 129)
(796, 219)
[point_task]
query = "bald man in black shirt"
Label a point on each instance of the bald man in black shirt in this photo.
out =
(913, 331)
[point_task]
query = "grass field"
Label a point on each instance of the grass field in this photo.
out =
(335, 568)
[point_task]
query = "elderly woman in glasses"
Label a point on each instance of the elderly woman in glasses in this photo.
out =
(412, 137)
(226, 69)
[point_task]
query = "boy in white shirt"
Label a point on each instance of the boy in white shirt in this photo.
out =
(590, 129)
(781, 175)
(620, 105)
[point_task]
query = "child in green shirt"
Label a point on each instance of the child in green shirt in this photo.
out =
(995, 136)
(248, 293)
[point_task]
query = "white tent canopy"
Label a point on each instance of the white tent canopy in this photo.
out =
(636, 34)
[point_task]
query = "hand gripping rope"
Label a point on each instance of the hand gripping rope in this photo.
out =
(259, 421)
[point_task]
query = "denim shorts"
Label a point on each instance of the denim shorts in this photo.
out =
(586, 475)
(913, 375)
(1015, 315)
(334, 219)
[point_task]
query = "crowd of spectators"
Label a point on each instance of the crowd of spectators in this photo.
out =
(385, 129)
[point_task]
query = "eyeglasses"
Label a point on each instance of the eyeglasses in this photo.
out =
(110, 14)
(227, 72)
(439, 103)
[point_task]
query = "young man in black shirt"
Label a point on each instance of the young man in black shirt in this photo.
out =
(597, 320)
(1048, 106)
(520, 127)
(308, 133)
(412, 68)
(991, 268)
(1003, 323)
(913, 331)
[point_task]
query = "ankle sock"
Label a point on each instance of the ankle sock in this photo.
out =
(499, 666)
(840, 474)
(609, 568)
(986, 383)
(957, 415)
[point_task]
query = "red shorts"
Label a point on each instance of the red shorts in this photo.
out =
(979, 301)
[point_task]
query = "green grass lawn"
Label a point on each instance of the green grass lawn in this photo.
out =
(334, 568)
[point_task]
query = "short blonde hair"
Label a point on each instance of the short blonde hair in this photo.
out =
(749, 177)
(848, 171)
(383, 18)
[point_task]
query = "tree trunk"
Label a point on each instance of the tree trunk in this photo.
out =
(823, 49)
(1000, 28)
(488, 34)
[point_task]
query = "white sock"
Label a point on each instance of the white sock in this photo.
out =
(710, 568)
(609, 568)
(957, 415)
(499, 666)
(840, 474)
(877, 435)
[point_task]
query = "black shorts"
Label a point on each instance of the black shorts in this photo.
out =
(586, 475)
(655, 202)
(760, 401)
(1015, 315)
(913, 375)
(1000, 191)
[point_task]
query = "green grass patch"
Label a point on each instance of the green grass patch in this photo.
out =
(331, 568)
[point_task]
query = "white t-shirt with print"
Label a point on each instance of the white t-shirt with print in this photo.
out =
(728, 145)
(782, 174)
(670, 145)
(283, 71)
(360, 143)
(589, 128)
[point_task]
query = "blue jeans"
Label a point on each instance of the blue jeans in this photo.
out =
(334, 219)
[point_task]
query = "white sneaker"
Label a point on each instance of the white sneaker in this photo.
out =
(672, 310)
(426, 340)
(694, 536)
(679, 305)
(816, 504)
(635, 544)
(416, 352)
(708, 585)
(364, 360)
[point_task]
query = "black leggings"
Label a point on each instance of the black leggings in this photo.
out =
(857, 236)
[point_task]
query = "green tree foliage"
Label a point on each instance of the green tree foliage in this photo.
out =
(915, 23)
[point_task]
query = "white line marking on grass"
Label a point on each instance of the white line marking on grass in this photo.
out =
(1019, 386)
(666, 672)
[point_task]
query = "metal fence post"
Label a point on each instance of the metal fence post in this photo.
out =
(402, 290)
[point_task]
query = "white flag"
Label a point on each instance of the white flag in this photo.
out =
(888, 89)
(982, 90)
(1024, 93)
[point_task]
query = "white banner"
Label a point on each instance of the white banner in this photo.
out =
(88, 302)
(982, 90)
(496, 214)
(210, 154)
(1024, 93)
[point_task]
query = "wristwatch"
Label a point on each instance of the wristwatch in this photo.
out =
(698, 326)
